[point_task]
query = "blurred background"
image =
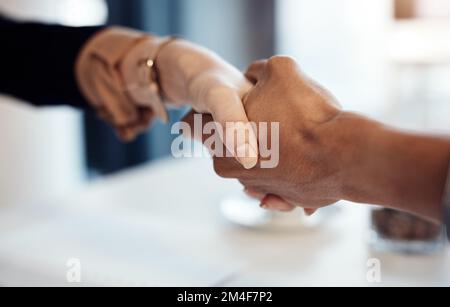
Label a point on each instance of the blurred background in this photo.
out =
(68, 147)
(389, 59)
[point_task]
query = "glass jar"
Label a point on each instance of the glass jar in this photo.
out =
(395, 231)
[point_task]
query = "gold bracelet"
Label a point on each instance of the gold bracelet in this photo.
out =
(151, 64)
(142, 83)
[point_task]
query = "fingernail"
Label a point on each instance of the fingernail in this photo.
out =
(309, 212)
(248, 161)
(264, 206)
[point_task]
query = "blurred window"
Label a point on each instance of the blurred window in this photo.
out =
(393, 69)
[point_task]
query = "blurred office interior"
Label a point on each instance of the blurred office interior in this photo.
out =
(389, 59)
(69, 147)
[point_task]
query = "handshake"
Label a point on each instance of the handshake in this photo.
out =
(295, 161)
(319, 154)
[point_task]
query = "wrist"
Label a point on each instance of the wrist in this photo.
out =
(188, 73)
(350, 136)
(396, 169)
(113, 72)
(178, 64)
(366, 165)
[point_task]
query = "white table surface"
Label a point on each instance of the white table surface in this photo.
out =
(161, 225)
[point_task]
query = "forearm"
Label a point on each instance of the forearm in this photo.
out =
(400, 170)
(38, 62)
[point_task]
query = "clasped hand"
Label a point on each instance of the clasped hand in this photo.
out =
(309, 169)
(312, 129)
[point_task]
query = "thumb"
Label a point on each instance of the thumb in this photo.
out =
(256, 71)
(239, 135)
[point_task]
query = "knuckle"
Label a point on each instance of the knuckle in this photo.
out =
(282, 66)
(281, 63)
(222, 168)
(229, 168)
(218, 167)
(246, 183)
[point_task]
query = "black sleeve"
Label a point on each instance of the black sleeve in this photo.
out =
(37, 62)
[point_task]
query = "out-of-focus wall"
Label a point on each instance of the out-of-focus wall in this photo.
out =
(41, 150)
(240, 31)
(342, 44)
(396, 70)
(68, 12)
